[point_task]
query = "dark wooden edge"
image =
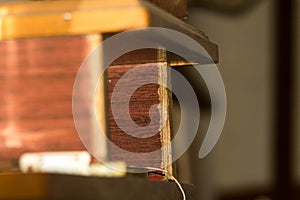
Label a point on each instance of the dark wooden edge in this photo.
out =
(177, 8)
(55, 186)
(160, 18)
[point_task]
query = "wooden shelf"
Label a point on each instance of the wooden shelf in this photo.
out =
(29, 19)
(55, 186)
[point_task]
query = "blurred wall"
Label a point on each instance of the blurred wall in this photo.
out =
(242, 157)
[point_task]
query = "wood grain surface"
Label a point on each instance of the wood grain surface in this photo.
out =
(36, 79)
(69, 17)
(140, 102)
(36, 82)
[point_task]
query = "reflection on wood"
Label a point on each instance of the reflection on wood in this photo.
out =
(139, 105)
(36, 82)
(142, 146)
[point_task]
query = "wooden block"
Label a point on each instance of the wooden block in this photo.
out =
(152, 68)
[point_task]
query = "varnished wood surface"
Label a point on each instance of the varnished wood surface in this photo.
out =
(140, 102)
(36, 81)
(144, 150)
(69, 17)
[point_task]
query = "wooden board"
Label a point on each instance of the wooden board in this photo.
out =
(74, 17)
(36, 81)
(54, 186)
(140, 103)
(153, 68)
(69, 17)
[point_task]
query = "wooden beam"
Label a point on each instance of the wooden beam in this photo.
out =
(55, 186)
(30, 19)
(69, 17)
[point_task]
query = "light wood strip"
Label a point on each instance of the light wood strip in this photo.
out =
(65, 17)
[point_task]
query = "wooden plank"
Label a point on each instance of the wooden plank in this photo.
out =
(55, 186)
(28, 187)
(140, 103)
(36, 80)
(73, 17)
(69, 17)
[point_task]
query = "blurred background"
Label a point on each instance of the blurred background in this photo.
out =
(257, 156)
